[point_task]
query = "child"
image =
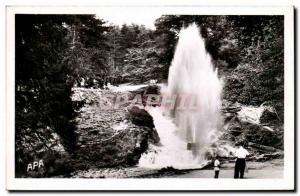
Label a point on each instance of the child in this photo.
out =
(217, 167)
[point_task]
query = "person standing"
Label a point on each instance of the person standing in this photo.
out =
(240, 163)
(217, 167)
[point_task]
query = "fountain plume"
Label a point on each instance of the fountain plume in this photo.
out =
(187, 139)
(192, 73)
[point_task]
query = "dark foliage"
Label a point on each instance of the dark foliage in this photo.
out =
(52, 52)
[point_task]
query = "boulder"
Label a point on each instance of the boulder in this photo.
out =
(262, 147)
(151, 89)
(234, 126)
(268, 156)
(258, 134)
(145, 91)
(140, 117)
(229, 110)
(112, 137)
(234, 108)
(153, 136)
(123, 148)
(267, 132)
(228, 116)
(269, 117)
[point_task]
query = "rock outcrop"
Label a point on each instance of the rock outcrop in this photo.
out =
(142, 118)
(144, 92)
(264, 138)
(112, 137)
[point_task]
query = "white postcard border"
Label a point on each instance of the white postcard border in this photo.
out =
(286, 183)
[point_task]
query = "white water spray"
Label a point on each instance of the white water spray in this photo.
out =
(191, 73)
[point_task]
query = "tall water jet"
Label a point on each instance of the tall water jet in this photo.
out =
(193, 74)
(192, 125)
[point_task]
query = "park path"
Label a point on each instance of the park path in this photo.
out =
(257, 170)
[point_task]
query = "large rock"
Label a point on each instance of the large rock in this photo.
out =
(269, 117)
(258, 134)
(144, 92)
(123, 148)
(264, 137)
(114, 137)
(234, 126)
(229, 110)
(140, 117)
(262, 147)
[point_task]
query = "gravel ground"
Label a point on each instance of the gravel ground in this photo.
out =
(256, 170)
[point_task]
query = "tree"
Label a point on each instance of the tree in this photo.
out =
(263, 51)
(116, 52)
(52, 53)
(89, 49)
(43, 82)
